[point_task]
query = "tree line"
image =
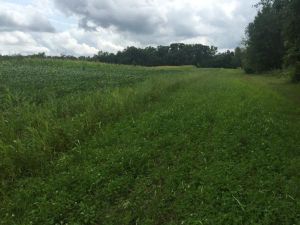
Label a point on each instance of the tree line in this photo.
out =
(273, 38)
(176, 54)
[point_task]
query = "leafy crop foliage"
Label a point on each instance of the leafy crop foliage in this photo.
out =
(88, 143)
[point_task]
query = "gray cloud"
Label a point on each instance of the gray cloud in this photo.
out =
(27, 18)
(133, 16)
(161, 22)
(83, 27)
(35, 24)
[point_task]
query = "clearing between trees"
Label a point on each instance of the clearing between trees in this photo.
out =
(90, 143)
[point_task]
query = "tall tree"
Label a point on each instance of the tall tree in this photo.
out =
(291, 31)
(273, 39)
(265, 44)
(176, 54)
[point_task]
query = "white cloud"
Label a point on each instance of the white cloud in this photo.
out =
(84, 27)
(19, 42)
(23, 18)
(66, 43)
(162, 22)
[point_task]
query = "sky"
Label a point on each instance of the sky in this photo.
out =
(84, 27)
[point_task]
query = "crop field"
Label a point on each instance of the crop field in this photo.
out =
(85, 143)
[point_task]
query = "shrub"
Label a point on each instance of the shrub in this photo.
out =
(296, 75)
(249, 70)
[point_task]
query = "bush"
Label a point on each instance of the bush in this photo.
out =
(296, 75)
(249, 70)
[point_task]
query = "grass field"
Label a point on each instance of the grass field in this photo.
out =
(89, 143)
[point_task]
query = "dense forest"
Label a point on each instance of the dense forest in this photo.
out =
(176, 54)
(273, 38)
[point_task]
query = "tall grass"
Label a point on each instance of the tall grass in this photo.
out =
(33, 134)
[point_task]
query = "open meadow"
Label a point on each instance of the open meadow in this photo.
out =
(85, 143)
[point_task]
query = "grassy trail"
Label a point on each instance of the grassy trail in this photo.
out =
(199, 147)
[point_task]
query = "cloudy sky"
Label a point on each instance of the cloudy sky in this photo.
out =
(83, 27)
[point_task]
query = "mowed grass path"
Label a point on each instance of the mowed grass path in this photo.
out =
(180, 146)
